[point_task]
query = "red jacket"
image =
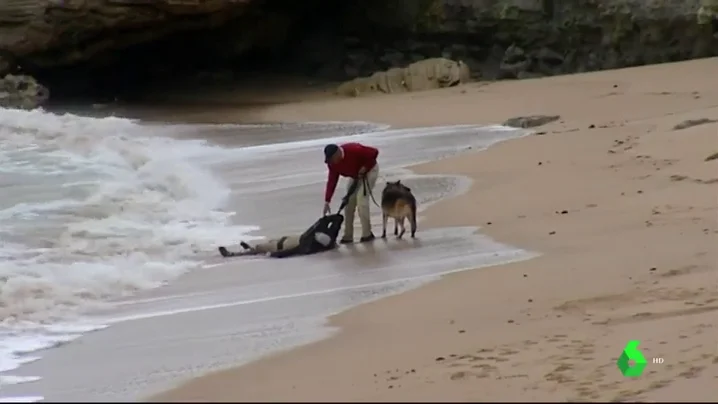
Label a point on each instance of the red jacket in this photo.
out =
(356, 156)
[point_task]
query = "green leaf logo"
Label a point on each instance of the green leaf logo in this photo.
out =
(631, 353)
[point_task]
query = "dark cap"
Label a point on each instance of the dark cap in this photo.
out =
(329, 151)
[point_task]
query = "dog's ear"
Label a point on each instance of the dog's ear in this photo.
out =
(398, 182)
(407, 188)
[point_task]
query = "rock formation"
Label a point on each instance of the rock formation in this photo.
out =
(423, 75)
(708, 15)
(355, 38)
(708, 12)
(20, 91)
(530, 38)
(48, 33)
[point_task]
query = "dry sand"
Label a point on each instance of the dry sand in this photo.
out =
(623, 208)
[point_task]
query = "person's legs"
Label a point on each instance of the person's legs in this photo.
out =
(267, 246)
(363, 201)
(349, 215)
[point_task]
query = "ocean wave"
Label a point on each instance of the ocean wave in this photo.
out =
(95, 209)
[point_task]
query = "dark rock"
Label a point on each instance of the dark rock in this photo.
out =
(693, 122)
(531, 121)
(393, 58)
(513, 55)
(29, 28)
(549, 57)
(22, 92)
(514, 62)
(532, 37)
(522, 75)
(7, 63)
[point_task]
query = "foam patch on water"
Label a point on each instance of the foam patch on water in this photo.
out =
(23, 399)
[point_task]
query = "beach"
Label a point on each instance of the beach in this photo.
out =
(619, 200)
(541, 252)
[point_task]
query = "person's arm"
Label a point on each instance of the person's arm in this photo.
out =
(332, 179)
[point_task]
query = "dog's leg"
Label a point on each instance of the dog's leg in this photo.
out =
(412, 221)
(384, 219)
(396, 226)
(403, 228)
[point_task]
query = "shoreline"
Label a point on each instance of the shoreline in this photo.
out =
(551, 319)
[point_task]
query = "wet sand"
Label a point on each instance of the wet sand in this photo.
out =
(621, 204)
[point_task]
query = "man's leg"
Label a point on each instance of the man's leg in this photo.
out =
(349, 215)
(363, 201)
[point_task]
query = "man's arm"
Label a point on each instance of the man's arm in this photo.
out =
(332, 179)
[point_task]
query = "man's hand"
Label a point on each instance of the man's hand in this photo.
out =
(327, 209)
(362, 171)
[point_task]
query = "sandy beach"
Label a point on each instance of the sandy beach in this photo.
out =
(620, 200)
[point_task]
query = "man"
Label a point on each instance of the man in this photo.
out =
(321, 236)
(353, 160)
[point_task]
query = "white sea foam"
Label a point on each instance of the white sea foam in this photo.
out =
(25, 399)
(94, 209)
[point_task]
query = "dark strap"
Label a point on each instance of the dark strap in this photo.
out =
(371, 194)
(280, 243)
(350, 192)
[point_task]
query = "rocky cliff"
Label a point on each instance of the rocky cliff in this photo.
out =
(340, 40)
(51, 33)
(510, 38)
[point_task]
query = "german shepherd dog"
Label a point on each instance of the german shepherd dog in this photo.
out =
(399, 203)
